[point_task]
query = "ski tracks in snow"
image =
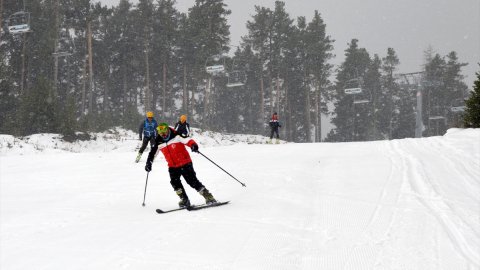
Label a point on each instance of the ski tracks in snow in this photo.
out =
(458, 216)
(365, 254)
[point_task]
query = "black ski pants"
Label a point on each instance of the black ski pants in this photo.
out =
(274, 130)
(188, 173)
(145, 142)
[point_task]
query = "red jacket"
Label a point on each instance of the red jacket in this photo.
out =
(173, 148)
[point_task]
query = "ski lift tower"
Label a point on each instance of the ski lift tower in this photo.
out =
(413, 82)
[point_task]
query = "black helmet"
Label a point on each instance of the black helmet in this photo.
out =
(274, 112)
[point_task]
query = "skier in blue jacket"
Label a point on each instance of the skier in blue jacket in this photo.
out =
(148, 128)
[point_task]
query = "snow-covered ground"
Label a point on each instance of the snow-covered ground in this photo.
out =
(401, 204)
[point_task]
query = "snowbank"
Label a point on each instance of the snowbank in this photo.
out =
(117, 139)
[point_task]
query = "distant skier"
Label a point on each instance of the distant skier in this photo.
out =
(182, 127)
(148, 128)
(274, 125)
(172, 146)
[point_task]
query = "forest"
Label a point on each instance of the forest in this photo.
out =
(77, 66)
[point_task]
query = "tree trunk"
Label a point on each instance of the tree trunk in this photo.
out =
(147, 77)
(105, 93)
(164, 103)
(318, 115)
(84, 85)
(308, 120)
(270, 88)
(262, 105)
(124, 97)
(1, 19)
(55, 50)
(90, 69)
(288, 111)
(206, 104)
(192, 100)
(185, 91)
(24, 51)
(278, 92)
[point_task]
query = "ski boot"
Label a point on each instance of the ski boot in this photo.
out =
(269, 141)
(277, 141)
(209, 199)
(138, 157)
(184, 201)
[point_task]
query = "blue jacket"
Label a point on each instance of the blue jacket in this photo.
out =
(149, 129)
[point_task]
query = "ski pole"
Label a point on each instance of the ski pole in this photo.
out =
(145, 192)
(221, 168)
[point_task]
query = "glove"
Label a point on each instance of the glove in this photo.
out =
(195, 148)
(140, 138)
(148, 166)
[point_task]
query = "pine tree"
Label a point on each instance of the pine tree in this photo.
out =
(125, 77)
(456, 90)
(8, 90)
(144, 27)
(185, 60)
(443, 89)
(319, 52)
(258, 39)
(395, 115)
(347, 107)
(471, 118)
(210, 36)
(367, 124)
(38, 113)
(281, 33)
(251, 90)
(296, 86)
(164, 60)
(434, 108)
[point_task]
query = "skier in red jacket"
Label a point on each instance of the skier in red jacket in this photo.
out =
(274, 125)
(172, 146)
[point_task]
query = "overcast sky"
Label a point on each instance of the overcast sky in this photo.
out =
(408, 26)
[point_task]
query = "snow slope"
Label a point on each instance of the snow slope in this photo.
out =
(401, 204)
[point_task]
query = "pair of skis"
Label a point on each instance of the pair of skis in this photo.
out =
(192, 207)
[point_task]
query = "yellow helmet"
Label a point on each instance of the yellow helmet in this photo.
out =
(149, 114)
(162, 129)
(183, 118)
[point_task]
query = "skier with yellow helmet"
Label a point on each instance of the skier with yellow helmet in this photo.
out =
(182, 127)
(148, 128)
(179, 163)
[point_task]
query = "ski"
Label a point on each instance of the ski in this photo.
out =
(202, 206)
(191, 208)
(160, 211)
